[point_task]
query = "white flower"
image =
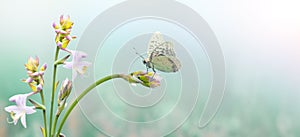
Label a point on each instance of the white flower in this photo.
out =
(76, 64)
(20, 109)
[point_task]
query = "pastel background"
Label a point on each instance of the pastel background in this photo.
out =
(260, 41)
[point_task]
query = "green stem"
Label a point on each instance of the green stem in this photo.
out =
(44, 111)
(53, 89)
(87, 90)
(54, 125)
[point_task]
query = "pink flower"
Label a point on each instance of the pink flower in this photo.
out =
(76, 64)
(20, 109)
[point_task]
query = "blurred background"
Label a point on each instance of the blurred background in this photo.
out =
(260, 41)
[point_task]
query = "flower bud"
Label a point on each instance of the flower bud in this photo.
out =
(35, 88)
(55, 26)
(65, 90)
(28, 80)
(44, 67)
(32, 64)
(148, 79)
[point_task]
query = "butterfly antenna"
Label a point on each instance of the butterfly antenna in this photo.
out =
(138, 54)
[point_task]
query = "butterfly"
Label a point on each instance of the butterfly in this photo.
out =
(161, 55)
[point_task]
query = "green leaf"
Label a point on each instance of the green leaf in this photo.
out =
(37, 105)
(56, 84)
(62, 60)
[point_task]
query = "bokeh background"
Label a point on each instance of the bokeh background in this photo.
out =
(259, 39)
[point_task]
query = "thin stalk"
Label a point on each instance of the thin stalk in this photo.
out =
(53, 89)
(44, 111)
(87, 90)
(54, 125)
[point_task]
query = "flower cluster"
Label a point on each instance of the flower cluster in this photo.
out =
(63, 30)
(35, 76)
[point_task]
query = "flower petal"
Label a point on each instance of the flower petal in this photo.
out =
(19, 99)
(30, 110)
(68, 65)
(74, 74)
(17, 116)
(78, 55)
(11, 108)
(23, 120)
(81, 67)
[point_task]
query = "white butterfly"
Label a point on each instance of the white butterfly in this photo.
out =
(161, 55)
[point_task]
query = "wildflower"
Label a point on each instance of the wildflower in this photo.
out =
(148, 79)
(32, 68)
(20, 109)
(35, 75)
(76, 64)
(63, 30)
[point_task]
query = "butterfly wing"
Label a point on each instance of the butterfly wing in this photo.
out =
(164, 49)
(166, 63)
(164, 58)
(156, 40)
(162, 55)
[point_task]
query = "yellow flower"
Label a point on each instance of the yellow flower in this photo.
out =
(63, 30)
(32, 64)
(35, 75)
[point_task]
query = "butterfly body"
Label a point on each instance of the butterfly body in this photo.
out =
(161, 55)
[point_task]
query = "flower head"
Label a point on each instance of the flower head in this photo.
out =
(35, 75)
(76, 64)
(148, 79)
(32, 67)
(20, 109)
(32, 64)
(63, 30)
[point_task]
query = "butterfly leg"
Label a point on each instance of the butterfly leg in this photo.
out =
(153, 71)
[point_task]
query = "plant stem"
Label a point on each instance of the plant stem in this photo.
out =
(87, 90)
(44, 111)
(53, 89)
(54, 125)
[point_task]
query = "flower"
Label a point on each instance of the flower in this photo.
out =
(32, 68)
(76, 64)
(35, 75)
(63, 30)
(148, 79)
(20, 109)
